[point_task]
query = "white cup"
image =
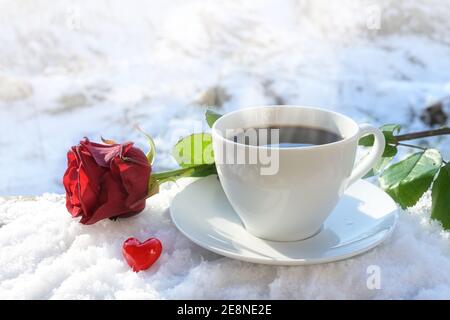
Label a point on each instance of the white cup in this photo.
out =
(287, 193)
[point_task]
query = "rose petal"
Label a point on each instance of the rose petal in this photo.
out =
(113, 198)
(134, 176)
(70, 182)
(103, 153)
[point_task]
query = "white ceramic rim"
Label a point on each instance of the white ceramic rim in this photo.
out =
(217, 134)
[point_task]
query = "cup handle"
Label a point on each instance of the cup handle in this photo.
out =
(374, 155)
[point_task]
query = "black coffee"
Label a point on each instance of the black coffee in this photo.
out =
(287, 137)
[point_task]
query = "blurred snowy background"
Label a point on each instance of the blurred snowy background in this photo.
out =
(70, 69)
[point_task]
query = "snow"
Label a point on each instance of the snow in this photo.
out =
(48, 255)
(74, 69)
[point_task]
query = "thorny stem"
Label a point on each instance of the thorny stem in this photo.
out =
(414, 146)
(418, 135)
(195, 170)
(422, 134)
(166, 174)
(410, 146)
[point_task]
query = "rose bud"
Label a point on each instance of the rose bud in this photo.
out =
(106, 181)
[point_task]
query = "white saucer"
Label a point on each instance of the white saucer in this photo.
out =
(364, 217)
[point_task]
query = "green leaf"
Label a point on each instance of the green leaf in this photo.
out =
(389, 151)
(153, 186)
(211, 117)
(378, 167)
(194, 149)
(152, 151)
(366, 141)
(440, 197)
(388, 131)
(407, 180)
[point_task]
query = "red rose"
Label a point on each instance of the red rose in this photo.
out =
(105, 181)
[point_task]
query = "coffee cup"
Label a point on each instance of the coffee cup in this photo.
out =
(286, 193)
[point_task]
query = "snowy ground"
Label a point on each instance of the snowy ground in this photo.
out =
(73, 69)
(47, 254)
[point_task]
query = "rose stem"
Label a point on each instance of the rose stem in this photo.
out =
(422, 134)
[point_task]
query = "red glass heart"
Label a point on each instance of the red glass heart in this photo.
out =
(141, 255)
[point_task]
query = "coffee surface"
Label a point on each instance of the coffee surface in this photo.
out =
(285, 136)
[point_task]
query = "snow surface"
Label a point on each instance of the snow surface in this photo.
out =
(95, 68)
(45, 254)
